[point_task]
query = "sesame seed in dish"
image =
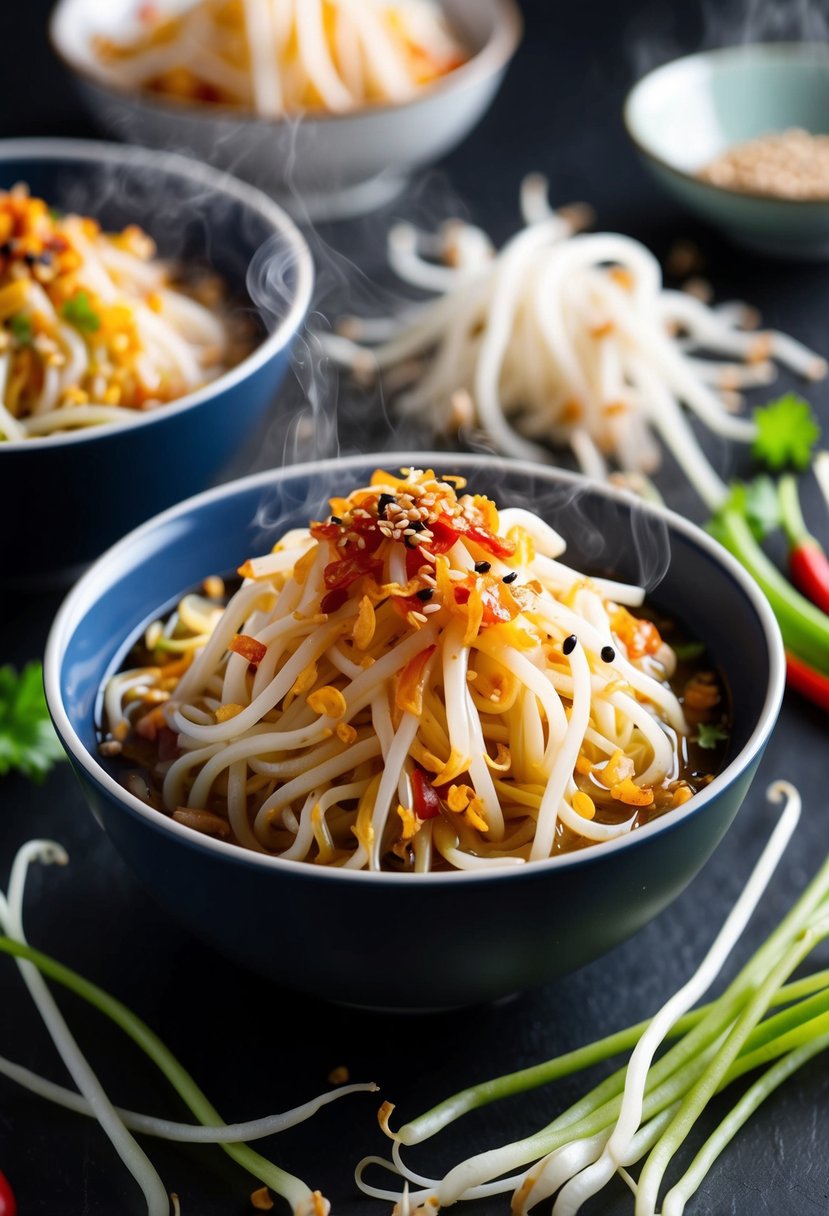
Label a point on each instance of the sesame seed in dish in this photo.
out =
(791, 164)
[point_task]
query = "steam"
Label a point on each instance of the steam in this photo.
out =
(655, 39)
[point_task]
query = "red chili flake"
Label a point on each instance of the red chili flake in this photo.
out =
(444, 534)
(248, 648)
(426, 801)
(462, 595)
(333, 600)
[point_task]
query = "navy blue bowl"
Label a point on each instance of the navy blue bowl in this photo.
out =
(68, 497)
(469, 937)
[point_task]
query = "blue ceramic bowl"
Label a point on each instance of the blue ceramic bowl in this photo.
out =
(68, 497)
(402, 940)
(683, 114)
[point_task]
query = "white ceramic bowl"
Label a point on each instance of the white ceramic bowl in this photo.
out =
(322, 166)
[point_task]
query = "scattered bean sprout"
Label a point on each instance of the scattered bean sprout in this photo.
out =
(567, 339)
(91, 1100)
(646, 1109)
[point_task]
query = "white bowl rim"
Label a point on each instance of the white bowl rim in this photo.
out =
(78, 599)
(817, 52)
(494, 55)
(217, 181)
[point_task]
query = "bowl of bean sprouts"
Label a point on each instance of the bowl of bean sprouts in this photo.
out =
(438, 745)
(135, 364)
(328, 106)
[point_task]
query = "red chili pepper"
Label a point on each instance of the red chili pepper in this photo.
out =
(809, 567)
(426, 801)
(808, 682)
(8, 1203)
(808, 562)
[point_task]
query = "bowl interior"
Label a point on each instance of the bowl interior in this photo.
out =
(688, 111)
(687, 575)
(76, 23)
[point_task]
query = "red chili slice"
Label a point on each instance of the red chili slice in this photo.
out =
(347, 570)
(426, 801)
(333, 600)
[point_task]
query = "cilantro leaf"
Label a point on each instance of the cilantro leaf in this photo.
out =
(78, 311)
(709, 735)
(787, 432)
(22, 329)
(28, 741)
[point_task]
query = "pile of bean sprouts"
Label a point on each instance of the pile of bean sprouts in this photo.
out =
(565, 338)
(92, 328)
(418, 682)
(282, 57)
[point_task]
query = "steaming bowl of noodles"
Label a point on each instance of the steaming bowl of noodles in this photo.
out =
(455, 736)
(326, 107)
(135, 366)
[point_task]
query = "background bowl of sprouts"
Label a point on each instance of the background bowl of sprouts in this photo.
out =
(329, 107)
(135, 364)
(740, 136)
(355, 865)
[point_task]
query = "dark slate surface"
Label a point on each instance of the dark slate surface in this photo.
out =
(258, 1048)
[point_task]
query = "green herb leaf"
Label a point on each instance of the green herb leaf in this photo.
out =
(28, 741)
(709, 735)
(79, 312)
(22, 329)
(787, 432)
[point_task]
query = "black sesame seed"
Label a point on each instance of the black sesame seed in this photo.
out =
(45, 258)
(510, 578)
(483, 567)
(569, 644)
(608, 654)
(335, 519)
(417, 525)
(383, 504)
(425, 594)
(30, 258)
(6, 249)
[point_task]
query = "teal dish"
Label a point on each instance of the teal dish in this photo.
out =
(67, 497)
(683, 114)
(414, 941)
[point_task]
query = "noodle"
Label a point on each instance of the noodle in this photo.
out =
(282, 57)
(91, 330)
(410, 684)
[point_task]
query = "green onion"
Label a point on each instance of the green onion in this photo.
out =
(78, 311)
(646, 1109)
